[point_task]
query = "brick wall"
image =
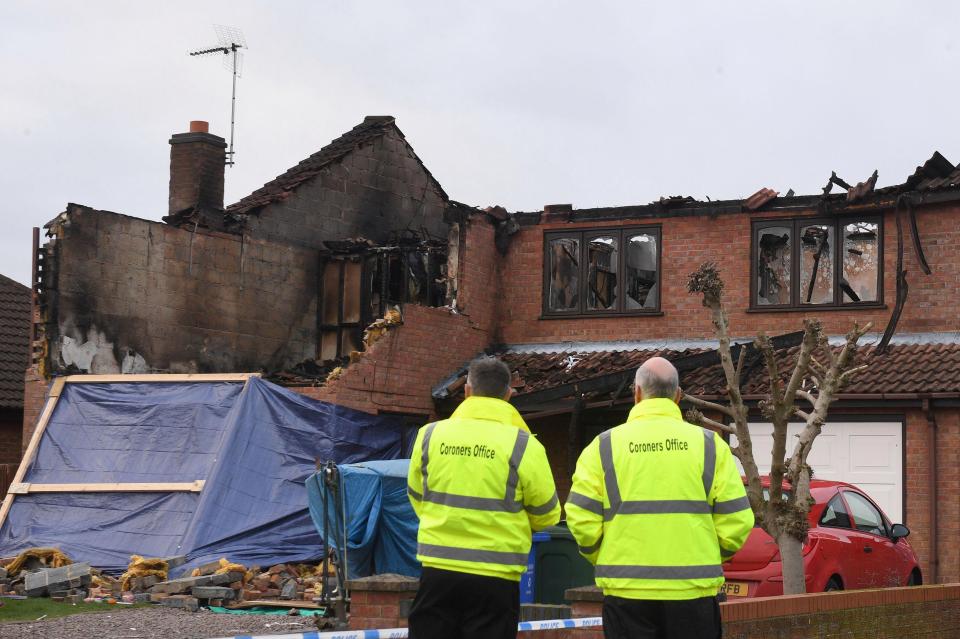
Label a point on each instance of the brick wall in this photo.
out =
(11, 434)
(916, 474)
(378, 189)
(398, 372)
(893, 613)
(689, 241)
(138, 296)
(34, 397)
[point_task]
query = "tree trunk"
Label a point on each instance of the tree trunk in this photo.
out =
(791, 554)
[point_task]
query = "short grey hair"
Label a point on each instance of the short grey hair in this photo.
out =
(489, 377)
(657, 379)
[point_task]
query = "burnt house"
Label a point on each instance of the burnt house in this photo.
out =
(354, 278)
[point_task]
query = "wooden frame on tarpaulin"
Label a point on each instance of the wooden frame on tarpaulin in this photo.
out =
(19, 487)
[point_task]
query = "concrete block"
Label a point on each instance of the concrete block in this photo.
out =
(184, 584)
(212, 592)
(40, 582)
(181, 601)
(142, 597)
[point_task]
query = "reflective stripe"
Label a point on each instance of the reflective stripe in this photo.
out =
(609, 472)
(425, 455)
(545, 508)
(665, 507)
(414, 494)
(471, 554)
(582, 501)
(492, 504)
(508, 504)
(659, 572)
(731, 506)
(709, 462)
(513, 478)
(586, 550)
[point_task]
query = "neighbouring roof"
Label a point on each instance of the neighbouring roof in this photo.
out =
(903, 369)
(906, 368)
(372, 127)
(14, 341)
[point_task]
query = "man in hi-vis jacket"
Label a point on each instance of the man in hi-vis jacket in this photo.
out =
(480, 484)
(656, 505)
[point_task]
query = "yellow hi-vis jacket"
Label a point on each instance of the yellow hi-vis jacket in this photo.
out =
(480, 482)
(655, 504)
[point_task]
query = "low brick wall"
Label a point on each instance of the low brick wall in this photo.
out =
(890, 613)
(381, 601)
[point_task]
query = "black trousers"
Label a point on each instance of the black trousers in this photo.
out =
(451, 605)
(649, 619)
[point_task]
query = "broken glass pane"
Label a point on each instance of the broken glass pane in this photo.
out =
(328, 345)
(564, 274)
(816, 264)
(641, 267)
(602, 273)
(330, 313)
(860, 261)
(351, 291)
(773, 265)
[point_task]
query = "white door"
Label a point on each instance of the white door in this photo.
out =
(868, 455)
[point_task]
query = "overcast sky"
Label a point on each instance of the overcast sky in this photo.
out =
(516, 103)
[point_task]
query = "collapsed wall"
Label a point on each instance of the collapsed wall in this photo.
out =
(126, 295)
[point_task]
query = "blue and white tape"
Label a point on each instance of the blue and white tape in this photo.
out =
(401, 633)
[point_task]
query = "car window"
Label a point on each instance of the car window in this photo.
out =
(835, 514)
(866, 517)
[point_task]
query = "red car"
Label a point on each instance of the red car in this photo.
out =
(851, 544)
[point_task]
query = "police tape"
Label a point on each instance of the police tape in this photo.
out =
(401, 633)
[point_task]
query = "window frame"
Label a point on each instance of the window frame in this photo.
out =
(887, 526)
(794, 224)
(583, 235)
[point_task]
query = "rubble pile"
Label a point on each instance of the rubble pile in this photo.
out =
(49, 573)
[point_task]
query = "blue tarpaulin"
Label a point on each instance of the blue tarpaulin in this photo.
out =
(381, 527)
(254, 444)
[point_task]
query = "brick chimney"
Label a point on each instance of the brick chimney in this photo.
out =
(197, 160)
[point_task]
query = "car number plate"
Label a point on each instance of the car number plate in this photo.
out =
(735, 588)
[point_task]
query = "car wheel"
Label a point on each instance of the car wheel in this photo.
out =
(914, 579)
(833, 584)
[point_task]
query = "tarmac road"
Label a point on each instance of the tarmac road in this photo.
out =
(155, 621)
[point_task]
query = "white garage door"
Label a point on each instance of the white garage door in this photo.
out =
(868, 455)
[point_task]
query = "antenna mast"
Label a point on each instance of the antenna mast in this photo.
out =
(231, 41)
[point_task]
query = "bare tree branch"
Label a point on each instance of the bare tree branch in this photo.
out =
(694, 416)
(702, 403)
(807, 395)
(802, 415)
(718, 427)
(765, 346)
(740, 361)
(812, 329)
(851, 372)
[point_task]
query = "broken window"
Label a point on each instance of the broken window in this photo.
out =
(601, 271)
(641, 269)
(361, 282)
(861, 261)
(807, 252)
(816, 263)
(563, 256)
(773, 249)
(340, 303)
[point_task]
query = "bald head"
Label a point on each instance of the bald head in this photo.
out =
(657, 377)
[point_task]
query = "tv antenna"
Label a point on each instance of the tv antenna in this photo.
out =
(231, 41)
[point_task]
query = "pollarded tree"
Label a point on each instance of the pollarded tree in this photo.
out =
(817, 375)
